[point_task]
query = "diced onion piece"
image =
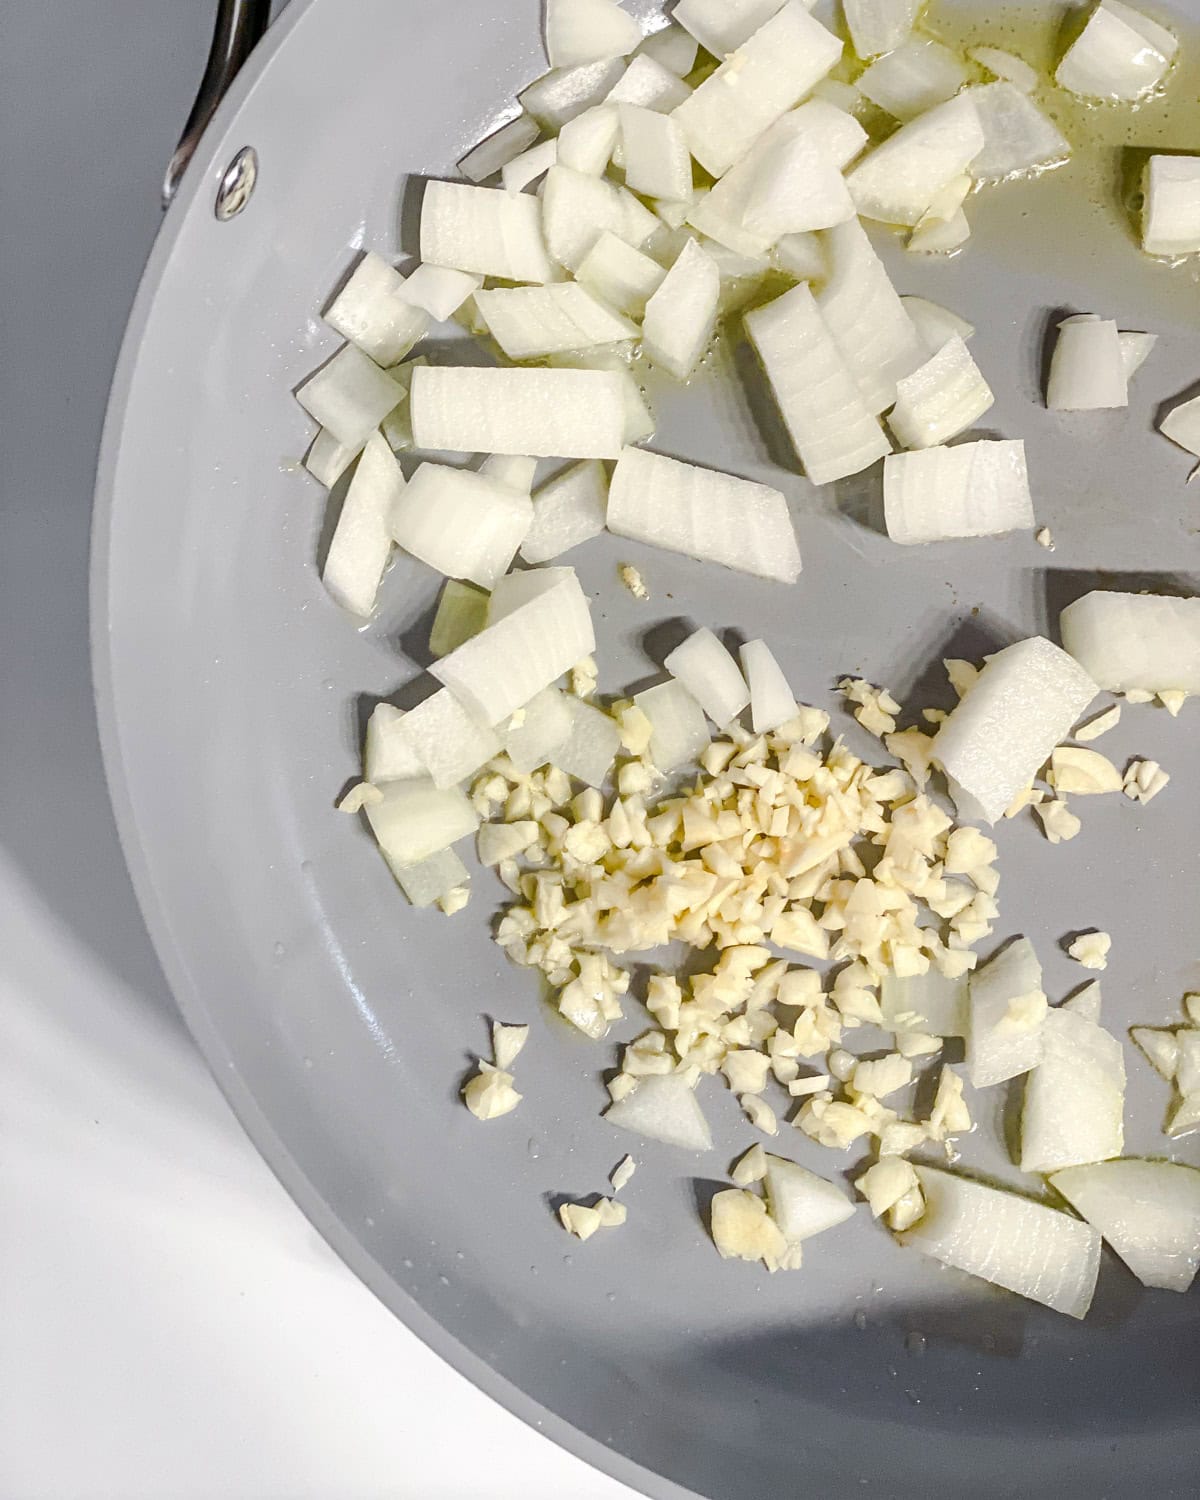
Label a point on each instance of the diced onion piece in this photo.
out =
(543, 413)
(647, 83)
(936, 324)
(898, 181)
(1182, 425)
(1171, 206)
(917, 75)
(1013, 1242)
(1135, 642)
(1006, 1017)
(664, 1108)
(1087, 372)
(1017, 136)
(523, 649)
(1135, 351)
(486, 159)
(397, 425)
(796, 188)
(529, 166)
(995, 741)
(832, 430)
(430, 879)
(936, 235)
(510, 469)
(485, 231)
(678, 730)
(563, 93)
(439, 290)
(710, 674)
(1004, 65)
(657, 162)
(465, 525)
(721, 26)
(1148, 1211)
(800, 256)
(801, 1203)
(769, 73)
(567, 510)
(461, 613)
(327, 459)
(415, 819)
(449, 743)
(362, 540)
(1085, 1002)
(681, 316)
(639, 419)
(880, 25)
(529, 322)
(940, 399)
(974, 489)
(708, 515)
(672, 48)
(591, 744)
(388, 755)
(372, 312)
(1074, 1104)
(588, 31)
(1120, 54)
(865, 317)
(547, 722)
(577, 209)
(772, 701)
(586, 143)
(1161, 1049)
(929, 1003)
(1185, 1117)
(620, 275)
(349, 396)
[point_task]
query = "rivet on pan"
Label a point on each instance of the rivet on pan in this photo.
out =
(237, 184)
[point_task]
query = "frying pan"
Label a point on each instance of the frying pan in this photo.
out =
(340, 1022)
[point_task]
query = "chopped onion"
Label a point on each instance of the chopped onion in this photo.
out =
(577, 209)
(415, 819)
(769, 73)
(639, 419)
(647, 83)
(898, 181)
(937, 235)
(772, 702)
(373, 312)
(547, 722)
(681, 316)
(327, 459)
(362, 540)
(1018, 138)
(1148, 1211)
(1120, 54)
(931, 1003)
(517, 174)
(1004, 65)
(657, 162)
(706, 514)
(679, 732)
(1161, 1049)
(486, 231)
(935, 325)
(877, 26)
(465, 525)
(975, 489)
(588, 31)
(941, 399)
(449, 743)
(866, 318)
(801, 256)
(818, 397)
(350, 396)
(439, 290)
(430, 879)
(397, 425)
(721, 26)
(1135, 351)
(586, 143)
(543, 413)
(510, 469)
(801, 1203)
(1022, 704)
(672, 48)
(563, 93)
(1087, 372)
(1074, 1105)
(1182, 425)
(796, 188)
(710, 675)
(664, 1108)
(620, 275)
(1085, 1003)
(1006, 1017)
(1171, 206)
(388, 755)
(461, 613)
(567, 510)
(591, 745)
(522, 649)
(1139, 642)
(486, 159)
(1013, 1242)
(529, 322)
(917, 75)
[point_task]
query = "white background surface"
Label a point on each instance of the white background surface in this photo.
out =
(170, 1326)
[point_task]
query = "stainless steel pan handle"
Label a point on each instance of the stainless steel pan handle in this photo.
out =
(239, 25)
